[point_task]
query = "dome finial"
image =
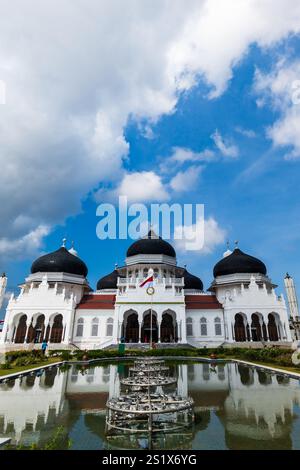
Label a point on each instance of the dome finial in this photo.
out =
(72, 249)
(236, 244)
(116, 266)
(228, 251)
(64, 241)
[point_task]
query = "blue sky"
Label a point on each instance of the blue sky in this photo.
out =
(243, 149)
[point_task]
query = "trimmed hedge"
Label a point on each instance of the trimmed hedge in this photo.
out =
(272, 355)
(24, 358)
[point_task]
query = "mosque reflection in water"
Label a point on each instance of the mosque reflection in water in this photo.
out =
(235, 407)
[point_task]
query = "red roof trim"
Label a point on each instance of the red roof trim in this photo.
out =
(101, 302)
(205, 302)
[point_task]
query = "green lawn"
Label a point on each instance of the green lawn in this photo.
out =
(14, 370)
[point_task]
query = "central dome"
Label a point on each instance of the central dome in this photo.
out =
(152, 244)
(60, 261)
(109, 281)
(239, 262)
(191, 281)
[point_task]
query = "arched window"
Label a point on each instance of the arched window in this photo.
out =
(203, 326)
(189, 327)
(95, 324)
(145, 272)
(106, 374)
(80, 325)
(218, 327)
(109, 327)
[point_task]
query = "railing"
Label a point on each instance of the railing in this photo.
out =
(170, 281)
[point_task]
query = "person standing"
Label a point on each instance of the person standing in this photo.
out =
(44, 347)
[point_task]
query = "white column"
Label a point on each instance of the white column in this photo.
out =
(28, 323)
(183, 325)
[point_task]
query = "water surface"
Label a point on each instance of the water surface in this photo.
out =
(236, 407)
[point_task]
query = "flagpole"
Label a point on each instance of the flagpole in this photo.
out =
(151, 322)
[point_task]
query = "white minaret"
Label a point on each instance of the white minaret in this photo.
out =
(3, 283)
(291, 295)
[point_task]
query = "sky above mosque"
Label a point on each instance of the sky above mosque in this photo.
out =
(159, 101)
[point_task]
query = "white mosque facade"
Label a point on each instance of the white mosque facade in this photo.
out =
(56, 303)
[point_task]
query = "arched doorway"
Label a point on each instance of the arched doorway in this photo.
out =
(167, 329)
(39, 329)
(132, 329)
(30, 334)
(21, 330)
(264, 331)
(146, 328)
(57, 329)
(256, 333)
(239, 328)
(272, 328)
(36, 333)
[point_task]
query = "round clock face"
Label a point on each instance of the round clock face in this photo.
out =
(150, 290)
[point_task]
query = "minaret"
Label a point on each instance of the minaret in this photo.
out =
(3, 283)
(291, 295)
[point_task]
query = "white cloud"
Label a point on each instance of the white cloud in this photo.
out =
(186, 180)
(182, 155)
(25, 246)
(249, 133)
(214, 235)
(226, 148)
(278, 88)
(76, 71)
(138, 186)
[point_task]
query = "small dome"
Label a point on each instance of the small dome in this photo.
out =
(151, 245)
(109, 281)
(60, 261)
(192, 282)
(239, 262)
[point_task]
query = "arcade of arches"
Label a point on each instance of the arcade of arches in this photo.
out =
(134, 331)
(257, 329)
(37, 332)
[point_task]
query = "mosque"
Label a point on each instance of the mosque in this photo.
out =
(56, 303)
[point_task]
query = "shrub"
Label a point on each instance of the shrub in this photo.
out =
(5, 366)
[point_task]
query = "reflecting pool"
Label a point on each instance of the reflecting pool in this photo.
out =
(235, 407)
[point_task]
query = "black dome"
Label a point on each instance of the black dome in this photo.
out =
(239, 262)
(109, 281)
(191, 281)
(60, 261)
(151, 245)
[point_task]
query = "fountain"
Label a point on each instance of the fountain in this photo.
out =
(146, 408)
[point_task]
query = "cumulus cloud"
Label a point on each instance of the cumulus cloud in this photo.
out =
(25, 246)
(186, 180)
(74, 79)
(226, 148)
(138, 186)
(213, 235)
(281, 89)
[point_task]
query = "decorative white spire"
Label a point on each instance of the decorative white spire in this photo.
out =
(228, 251)
(3, 284)
(64, 241)
(291, 295)
(72, 250)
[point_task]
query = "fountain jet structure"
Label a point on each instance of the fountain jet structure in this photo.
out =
(145, 408)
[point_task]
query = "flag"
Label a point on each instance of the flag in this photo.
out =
(147, 282)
